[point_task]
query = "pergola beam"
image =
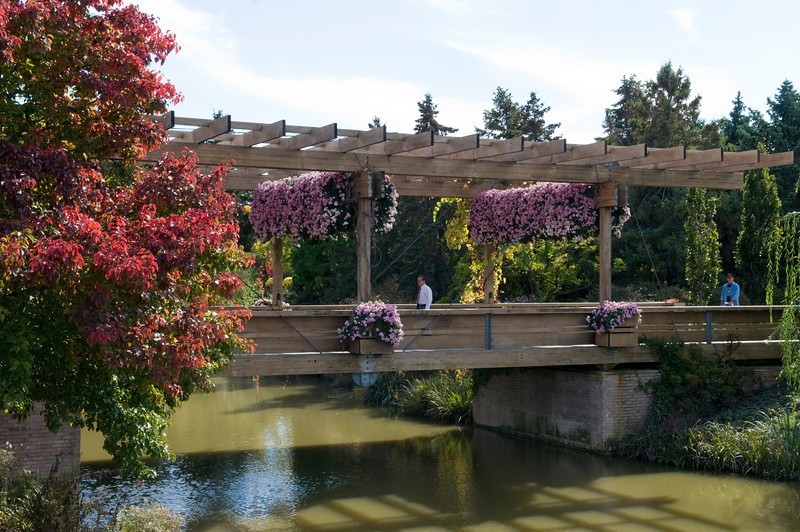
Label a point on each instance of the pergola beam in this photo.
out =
(423, 164)
(447, 168)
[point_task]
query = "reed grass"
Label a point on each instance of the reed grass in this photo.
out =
(444, 396)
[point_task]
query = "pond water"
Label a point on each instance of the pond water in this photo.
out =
(290, 454)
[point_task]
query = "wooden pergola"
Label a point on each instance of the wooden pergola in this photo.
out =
(427, 165)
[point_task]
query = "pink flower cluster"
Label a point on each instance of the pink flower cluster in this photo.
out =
(314, 206)
(541, 211)
(385, 207)
(373, 319)
(611, 314)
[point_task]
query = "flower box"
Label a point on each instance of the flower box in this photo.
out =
(374, 328)
(370, 346)
(619, 337)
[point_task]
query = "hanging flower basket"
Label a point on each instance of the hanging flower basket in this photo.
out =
(316, 206)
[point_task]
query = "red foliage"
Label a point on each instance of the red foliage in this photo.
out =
(137, 258)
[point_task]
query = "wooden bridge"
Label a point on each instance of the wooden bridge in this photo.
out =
(302, 340)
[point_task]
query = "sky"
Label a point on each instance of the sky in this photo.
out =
(315, 62)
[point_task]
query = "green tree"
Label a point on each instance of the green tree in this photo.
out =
(783, 134)
(415, 245)
(109, 273)
(626, 120)
(323, 273)
(427, 120)
(702, 245)
(744, 128)
(518, 269)
(509, 119)
(659, 113)
(759, 218)
(376, 122)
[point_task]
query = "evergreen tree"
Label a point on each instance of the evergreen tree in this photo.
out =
(509, 119)
(624, 122)
(504, 120)
(783, 134)
(427, 118)
(376, 122)
(544, 271)
(534, 127)
(416, 245)
(760, 215)
(658, 113)
(744, 128)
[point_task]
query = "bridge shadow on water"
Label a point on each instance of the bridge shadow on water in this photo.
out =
(468, 479)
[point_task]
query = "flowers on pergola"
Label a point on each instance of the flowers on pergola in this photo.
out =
(541, 211)
(315, 206)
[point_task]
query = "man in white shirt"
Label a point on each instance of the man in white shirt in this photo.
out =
(424, 294)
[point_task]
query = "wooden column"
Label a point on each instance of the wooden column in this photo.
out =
(363, 191)
(489, 296)
(277, 272)
(606, 201)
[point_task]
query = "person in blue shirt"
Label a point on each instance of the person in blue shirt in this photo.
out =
(730, 293)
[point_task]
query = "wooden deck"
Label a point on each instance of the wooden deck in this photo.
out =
(302, 340)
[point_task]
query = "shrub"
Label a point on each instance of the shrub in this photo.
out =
(151, 517)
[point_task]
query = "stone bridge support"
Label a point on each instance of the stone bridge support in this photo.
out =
(37, 450)
(583, 408)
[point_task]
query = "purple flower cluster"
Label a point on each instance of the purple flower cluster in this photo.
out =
(314, 206)
(612, 314)
(374, 319)
(541, 211)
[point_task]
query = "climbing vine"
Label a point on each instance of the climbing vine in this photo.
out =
(702, 245)
(783, 253)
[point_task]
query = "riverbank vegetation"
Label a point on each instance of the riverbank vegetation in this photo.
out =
(55, 504)
(444, 396)
(710, 414)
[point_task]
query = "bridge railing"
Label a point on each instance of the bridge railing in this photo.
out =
(302, 340)
(313, 328)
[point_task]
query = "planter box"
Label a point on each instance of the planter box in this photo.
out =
(370, 346)
(619, 337)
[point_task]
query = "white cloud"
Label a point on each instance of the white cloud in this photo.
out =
(579, 87)
(456, 7)
(686, 20)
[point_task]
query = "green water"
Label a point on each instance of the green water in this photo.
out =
(294, 455)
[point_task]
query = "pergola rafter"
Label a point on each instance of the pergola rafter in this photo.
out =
(423, 164)
(270, 151)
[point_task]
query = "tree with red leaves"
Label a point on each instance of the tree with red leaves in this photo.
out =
(111, 275)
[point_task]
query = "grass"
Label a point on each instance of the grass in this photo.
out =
(444, 396)
(761, 439)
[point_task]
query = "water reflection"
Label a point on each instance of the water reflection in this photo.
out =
(291, 456)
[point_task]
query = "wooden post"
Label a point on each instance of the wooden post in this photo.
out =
(277, 272)
(364, 193)
(488, 274)
(606, 201)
